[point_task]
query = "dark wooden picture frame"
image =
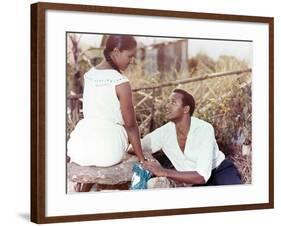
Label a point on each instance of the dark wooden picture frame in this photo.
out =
(38, 108)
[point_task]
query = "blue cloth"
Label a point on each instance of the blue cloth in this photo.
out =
(140, 177)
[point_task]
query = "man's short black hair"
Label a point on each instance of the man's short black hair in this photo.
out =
(187, 99)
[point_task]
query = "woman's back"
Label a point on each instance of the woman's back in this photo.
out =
(100, 101)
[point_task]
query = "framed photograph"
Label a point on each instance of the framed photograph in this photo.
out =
(224, 61)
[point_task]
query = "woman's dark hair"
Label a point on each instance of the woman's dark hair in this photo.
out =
(121, 42)
(187, 99)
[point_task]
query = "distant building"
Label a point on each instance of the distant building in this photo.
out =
(164, 57)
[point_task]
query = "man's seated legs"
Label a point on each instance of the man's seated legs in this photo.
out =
(225, 174)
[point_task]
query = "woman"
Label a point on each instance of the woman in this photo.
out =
(101, 137)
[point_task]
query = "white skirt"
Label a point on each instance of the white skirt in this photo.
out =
(97, 143)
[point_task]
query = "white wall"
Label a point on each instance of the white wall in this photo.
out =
(14, 113)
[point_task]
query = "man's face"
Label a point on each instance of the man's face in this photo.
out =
(174, 108)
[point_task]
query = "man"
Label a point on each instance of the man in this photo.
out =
(189, 143)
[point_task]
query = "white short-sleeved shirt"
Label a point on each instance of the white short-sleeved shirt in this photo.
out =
(201, 153)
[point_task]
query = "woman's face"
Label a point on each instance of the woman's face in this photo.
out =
(124, 58)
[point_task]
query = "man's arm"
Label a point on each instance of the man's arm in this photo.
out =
(188, 177)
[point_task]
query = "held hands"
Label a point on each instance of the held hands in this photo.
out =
(155, 168)
(150, 164)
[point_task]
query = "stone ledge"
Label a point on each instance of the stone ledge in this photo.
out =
(117, 174)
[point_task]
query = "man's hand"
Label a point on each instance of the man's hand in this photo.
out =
(155, 168)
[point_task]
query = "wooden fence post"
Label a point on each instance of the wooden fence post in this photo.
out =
(152, 111)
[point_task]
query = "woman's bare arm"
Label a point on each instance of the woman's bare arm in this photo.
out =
(124, 94)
